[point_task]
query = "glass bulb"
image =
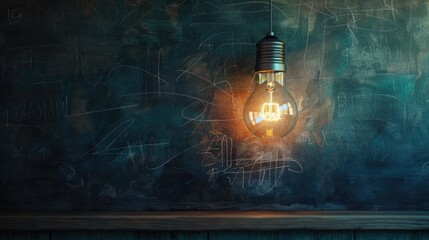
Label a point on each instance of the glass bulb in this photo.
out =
(270, 111)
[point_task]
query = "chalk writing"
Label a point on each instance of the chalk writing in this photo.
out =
(31, 111)
(36, 15)
(267, 167)
(360, 106)
(14, 15)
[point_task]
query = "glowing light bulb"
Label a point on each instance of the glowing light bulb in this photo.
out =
(270, 111)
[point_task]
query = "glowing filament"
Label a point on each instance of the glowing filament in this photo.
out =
(271, 110)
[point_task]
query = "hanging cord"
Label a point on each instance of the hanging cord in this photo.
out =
(271, 18)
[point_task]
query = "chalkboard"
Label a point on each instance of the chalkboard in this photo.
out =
(111, 105)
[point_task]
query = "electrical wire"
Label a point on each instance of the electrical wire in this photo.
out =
(271, 17)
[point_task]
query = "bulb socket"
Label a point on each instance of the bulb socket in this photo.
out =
(270, 53)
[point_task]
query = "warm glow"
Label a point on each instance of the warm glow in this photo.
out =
(270, 111)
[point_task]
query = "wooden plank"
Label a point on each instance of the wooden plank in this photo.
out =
(384, 235)
(421, 235)
(155, 235)
(298, 235)
(245, 235)
(164, 235)
(234, 220)
(93, 235)
(334, 235)
(24, 235)
(204, 235)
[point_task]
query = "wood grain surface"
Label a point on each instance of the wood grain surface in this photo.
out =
(201, 220)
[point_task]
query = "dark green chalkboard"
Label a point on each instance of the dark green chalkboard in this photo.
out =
(110, 105)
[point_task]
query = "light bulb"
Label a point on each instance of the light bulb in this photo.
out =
(270, 111)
